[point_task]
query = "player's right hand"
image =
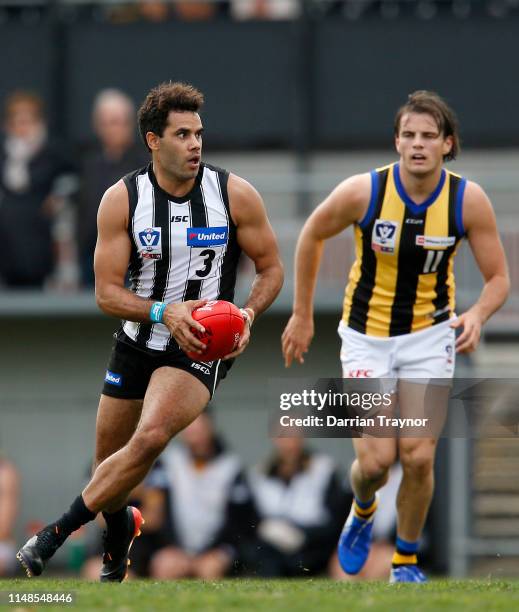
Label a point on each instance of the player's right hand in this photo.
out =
(177, 318)
(296, 338)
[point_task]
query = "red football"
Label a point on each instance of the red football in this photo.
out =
(224, 326)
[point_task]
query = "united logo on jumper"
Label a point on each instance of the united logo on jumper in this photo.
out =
(206, 236)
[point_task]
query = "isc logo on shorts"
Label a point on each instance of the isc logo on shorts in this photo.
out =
(203, 369)
(384, 236)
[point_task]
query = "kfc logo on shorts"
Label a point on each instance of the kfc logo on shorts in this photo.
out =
(360, 373)
(151, 243)
(384, 236)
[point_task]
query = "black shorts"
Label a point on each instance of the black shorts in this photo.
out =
(130, 368)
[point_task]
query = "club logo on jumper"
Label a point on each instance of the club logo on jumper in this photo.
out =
(435, 242)
(151, 243)
(206, 236)
(113, 379)
(384, 236)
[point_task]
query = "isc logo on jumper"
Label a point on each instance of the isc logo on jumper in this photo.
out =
(113, 379)
(384, 236)
(206, 236)
(151, 243)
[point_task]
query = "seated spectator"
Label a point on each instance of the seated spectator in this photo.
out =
(9, 498)
(158, 11)
(114, 154)
(154, 10)
(302, 507)
(265, 9)
(211, 512)
(198, 511)
(35, 176)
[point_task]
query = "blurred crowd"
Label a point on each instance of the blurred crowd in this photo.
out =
(207, 516)
(50, 192)
(119, 12)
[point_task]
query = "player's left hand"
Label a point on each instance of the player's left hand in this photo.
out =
(248, 317)
(471, 323)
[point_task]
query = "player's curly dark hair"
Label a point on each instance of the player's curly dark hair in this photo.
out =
(431, 103)
(161, 100)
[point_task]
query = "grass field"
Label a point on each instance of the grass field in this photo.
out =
(274, 595)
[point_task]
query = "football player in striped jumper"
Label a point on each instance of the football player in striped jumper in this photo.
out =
(399, 319)
(177, 227)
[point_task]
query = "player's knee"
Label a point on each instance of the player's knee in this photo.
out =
(376, 468)
(417, 460)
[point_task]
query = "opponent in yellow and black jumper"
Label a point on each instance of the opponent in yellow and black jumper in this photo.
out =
(402, 280)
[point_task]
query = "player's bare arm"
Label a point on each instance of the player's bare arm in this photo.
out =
(345, 205)
(257, 240)
(480, 224)
(111, 258)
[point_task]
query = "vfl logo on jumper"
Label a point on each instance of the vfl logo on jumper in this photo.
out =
(151, 243)
(206, 236)
(435, 242)
(113, 379)
(384, 236)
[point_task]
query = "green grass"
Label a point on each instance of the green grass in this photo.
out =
(275, 595)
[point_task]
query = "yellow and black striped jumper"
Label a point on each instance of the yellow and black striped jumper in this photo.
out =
(403, 280)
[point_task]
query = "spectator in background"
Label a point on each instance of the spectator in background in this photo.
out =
(35, 177)
(302, 507)
(194, 10)
(158, 11)
(211, 513)
(265, 9)
(154, 10)
(114, 155)
(9, 497)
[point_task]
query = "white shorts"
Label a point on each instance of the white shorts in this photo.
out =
(426, 354)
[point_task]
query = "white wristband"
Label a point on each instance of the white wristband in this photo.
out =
(245, 312)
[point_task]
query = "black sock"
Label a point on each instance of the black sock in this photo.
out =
(116, 520)
(77, 515)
